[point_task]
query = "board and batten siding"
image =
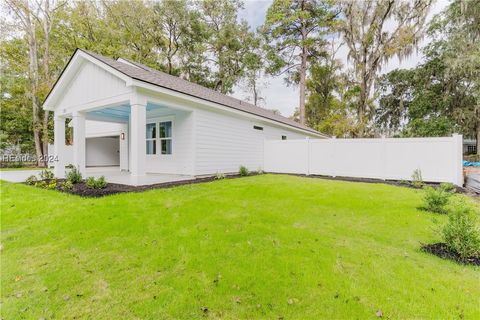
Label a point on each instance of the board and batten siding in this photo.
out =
(224, 142)
(91, 83)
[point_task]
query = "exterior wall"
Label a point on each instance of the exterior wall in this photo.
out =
(224, 142)
(439, 159)
(181, 159)
(103, 151)
(91, 84)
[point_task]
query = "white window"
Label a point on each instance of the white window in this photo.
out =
(159, 137)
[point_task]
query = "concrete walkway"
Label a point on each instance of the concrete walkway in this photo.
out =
(111, 174)
(18, 175)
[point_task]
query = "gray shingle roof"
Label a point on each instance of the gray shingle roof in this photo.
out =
(164, 80)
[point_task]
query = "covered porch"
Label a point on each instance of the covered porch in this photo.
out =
(154, 142)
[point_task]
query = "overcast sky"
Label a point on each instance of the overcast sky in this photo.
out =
(285, 98)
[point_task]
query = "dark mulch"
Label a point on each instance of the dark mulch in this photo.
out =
(82, 190)
(443, 251)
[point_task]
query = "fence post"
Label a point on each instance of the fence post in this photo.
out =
(384, 156)
(308, 156)
(457, 140)
(332, 150)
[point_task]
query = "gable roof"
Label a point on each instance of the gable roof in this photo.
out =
(148, 75)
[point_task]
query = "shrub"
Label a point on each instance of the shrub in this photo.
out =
(41, 184)
(243, 171)
(32, 180)
(67, 185)
(436, 199)
(74, 176)
(51, 185)
(417, 180)
(260, 171)
(99, 183)
(448, 187)
(46, 174)
(219, 176)
(461, 233)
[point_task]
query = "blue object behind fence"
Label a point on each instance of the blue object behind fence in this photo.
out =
(471, 164)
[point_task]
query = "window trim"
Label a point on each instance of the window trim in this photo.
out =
(158, 140)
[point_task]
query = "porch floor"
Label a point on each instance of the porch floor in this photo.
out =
(114, 175)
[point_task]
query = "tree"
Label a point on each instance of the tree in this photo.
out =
(456, 35)
(295, 30)
(228, 43)
(371, 44)
(35, 22)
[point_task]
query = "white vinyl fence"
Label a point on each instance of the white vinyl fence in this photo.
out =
(439, 159)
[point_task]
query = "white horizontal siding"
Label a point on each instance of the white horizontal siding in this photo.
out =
(225, 142)
(91, 84)
(181, 159)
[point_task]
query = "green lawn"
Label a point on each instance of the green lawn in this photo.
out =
(261, 247)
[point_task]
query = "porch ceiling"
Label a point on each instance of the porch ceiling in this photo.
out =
(121, 112)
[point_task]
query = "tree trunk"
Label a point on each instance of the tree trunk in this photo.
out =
(46, 72)
(33, 74)
(303, 73)
(478, 131)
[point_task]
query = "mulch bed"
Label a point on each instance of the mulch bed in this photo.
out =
(82, 190)
(443, 251)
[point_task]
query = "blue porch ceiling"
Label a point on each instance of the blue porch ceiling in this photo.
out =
(121, 112)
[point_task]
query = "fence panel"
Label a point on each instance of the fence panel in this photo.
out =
(439, 159)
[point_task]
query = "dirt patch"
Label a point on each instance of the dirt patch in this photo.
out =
(443, 251)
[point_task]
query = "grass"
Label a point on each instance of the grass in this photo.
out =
(261, 247)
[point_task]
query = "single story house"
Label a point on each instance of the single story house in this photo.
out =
(144, 121)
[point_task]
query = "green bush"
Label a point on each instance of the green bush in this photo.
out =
(461, 233)
(436, 199)
(41, 184)
(51, 185)
(448, 187)
(74, 175)
(243, 171)
(260, 171)
(93, 183)
(67, 185)
(417, 180)
(46, 174)
(32, 180)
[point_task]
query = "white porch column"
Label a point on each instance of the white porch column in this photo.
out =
(78, 119)
(138, 121)
(59, 143)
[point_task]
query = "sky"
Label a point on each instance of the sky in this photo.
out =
(284, 98)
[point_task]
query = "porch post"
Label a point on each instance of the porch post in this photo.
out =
(79, 141)
(138, 120)
(59, 143)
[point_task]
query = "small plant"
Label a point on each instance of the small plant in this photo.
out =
(32, 180)
(93, 183)
(41, 184)
(243, 171)
(51, 185)
(461, 233)
(436, 199)
(219, 176)
(46, 174)
(67, 185)
(417, 180)
(448, 187)
(74, 176)
(260, 170)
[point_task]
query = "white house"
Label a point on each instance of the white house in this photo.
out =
(144, 122)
